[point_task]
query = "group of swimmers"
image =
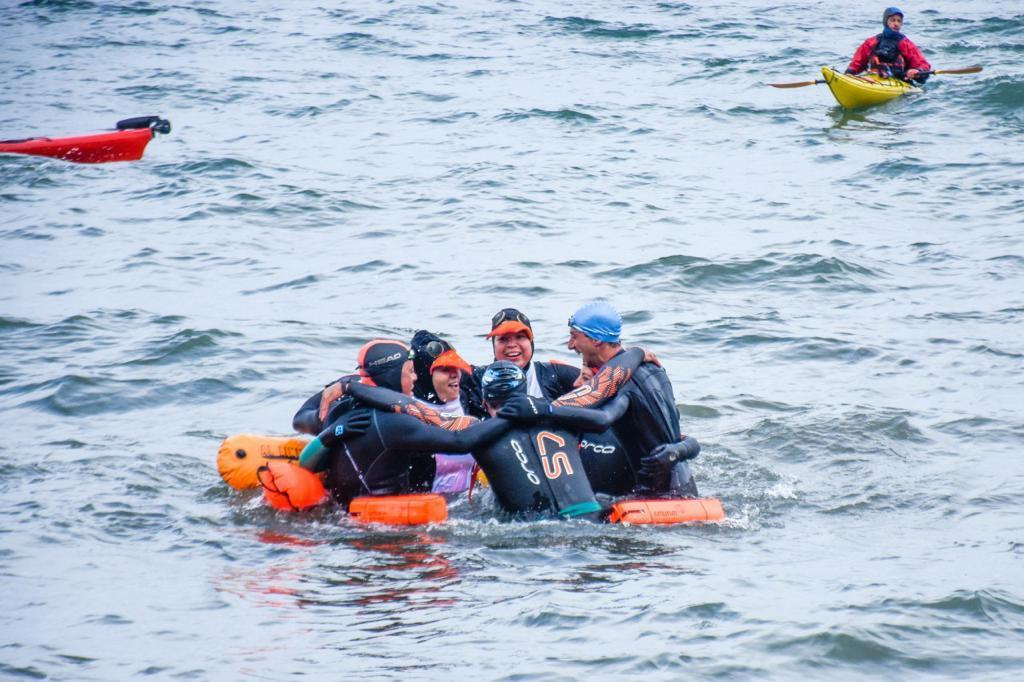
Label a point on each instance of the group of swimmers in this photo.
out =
(550, 438)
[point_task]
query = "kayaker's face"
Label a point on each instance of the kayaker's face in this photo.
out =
(515, 347)
(408, 377)
(895, 22)
(446, 383)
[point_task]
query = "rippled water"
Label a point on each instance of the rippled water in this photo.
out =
(836, 295)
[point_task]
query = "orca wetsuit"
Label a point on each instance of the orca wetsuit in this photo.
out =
(642, 414)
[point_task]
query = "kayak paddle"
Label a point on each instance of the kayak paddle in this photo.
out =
(802, 84)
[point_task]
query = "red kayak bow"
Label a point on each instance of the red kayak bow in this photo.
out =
(127, 143)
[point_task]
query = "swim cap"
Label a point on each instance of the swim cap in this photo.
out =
(598, 320)
(451, 359)
(501, 381)
(381, 362)
(427, 347)
(510, 321)
(889, 11)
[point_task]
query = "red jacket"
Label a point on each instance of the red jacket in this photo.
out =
(912, 55)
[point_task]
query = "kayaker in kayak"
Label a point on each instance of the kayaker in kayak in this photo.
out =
(890, 53)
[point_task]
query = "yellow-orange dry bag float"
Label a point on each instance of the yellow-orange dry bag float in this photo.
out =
(667, 511)
(241, 456)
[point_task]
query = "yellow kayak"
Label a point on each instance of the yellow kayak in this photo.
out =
(853, 92)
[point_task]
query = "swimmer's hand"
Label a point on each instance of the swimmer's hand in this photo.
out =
(656, 467)
(525, 409)
(336, 390)
(649, 356)
(353, 424)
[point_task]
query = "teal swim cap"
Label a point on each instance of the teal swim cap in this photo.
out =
(598, 320)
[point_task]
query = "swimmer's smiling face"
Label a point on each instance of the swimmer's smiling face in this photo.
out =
(515, 347)
(408, 377)
(586, 375)
(895, 22)
(446, 383)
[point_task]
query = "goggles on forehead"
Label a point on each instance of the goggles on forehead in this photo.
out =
(509, 314)
(434, 348)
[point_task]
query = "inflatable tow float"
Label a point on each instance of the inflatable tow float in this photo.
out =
(248, 461)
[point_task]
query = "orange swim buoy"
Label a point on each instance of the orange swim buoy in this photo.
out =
(239, 457)
(400, 510)
(289, 487)
(667, 511)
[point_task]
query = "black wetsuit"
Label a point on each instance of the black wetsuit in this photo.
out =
(533, 469)
(307, 419)
(537, 470)
(642, 416)
(378, 461)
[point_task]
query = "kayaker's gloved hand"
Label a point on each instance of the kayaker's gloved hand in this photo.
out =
(525, 409)
(656, 468)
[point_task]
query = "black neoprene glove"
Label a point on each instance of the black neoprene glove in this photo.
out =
(850, 72)
(656, 468)
(525, 409)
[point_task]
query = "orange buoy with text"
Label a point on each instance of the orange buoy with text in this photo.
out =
(289, 487)
(667, 511)
(400, 510)
(239, 457)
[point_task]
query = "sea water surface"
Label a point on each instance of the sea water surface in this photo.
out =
(837, 297)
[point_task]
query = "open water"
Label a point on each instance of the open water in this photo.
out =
(837, 297)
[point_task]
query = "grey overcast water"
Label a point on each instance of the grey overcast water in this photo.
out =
(837, 297)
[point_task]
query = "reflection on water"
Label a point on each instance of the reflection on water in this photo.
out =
(407, 568)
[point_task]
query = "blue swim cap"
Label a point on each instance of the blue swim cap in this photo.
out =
(598, 320)
(889, 11)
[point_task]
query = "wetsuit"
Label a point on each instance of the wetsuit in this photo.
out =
(643, 416)
(378, 461)
(307, 419)
(532, 469)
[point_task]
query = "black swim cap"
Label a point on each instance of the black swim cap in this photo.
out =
(381, 361)
(501, 381)
(427, 347)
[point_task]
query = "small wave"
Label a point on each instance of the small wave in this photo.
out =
(183, 345)
(309, 110)
(222, 168)
(775, 268)
(563, 115)
(300, 283)
(60, 5)
(365, 42)
(593, 28)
